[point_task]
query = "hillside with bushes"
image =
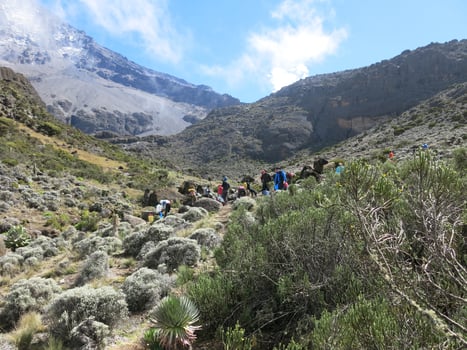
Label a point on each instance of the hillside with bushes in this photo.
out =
(372, 258)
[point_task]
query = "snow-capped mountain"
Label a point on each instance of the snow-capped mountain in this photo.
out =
(94, 88)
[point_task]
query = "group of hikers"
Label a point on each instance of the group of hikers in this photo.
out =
(277, 181)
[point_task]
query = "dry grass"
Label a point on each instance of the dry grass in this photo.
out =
(28, 325)
(103, 162)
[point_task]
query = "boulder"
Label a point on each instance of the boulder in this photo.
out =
(211, 205)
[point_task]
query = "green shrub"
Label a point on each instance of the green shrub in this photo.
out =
(57, 221)
(151, 339)
(233, 338)
(372, 324)
(17, 237)
(215, 295)
(185, 274)
(460, 159)
(10, 161)
(88, 221)
(290, 346)
(49, 129)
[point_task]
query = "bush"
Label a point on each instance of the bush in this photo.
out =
(96, 266)
(195, 214)
(87, 246)
(89, 334)
(76, 305)
(173, 252)
(206, 237)
(460, 159)
(88, 221)
(372, 324)
(215, 295)
(26, 296)
(244, 202)
(144, 288)
(16, 237)
(132, 244)
(10, 264)
(234, 338)
(49, 129)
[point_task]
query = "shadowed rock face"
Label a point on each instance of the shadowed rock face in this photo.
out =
(343, 104)
(323, 110)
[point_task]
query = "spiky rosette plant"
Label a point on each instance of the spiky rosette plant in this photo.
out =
(174, 322)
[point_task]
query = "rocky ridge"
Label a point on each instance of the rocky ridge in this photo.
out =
(316, 112)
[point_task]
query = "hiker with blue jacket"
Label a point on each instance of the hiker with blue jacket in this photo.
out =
(280, 178)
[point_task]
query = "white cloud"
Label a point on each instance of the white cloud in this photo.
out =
(284, 54)
(146, 22)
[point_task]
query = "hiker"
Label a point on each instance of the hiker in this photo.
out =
(219, 193)
(391, 155)
(251, 191)
(265, 179)
(165, 206)
(225, 189)
(289, 177)
(159, 210)
(339, 168)
(207, 191)
(241, 191)
(318, 165)
(192, 195)
(146, 197)
(152, 200)
(279, 179)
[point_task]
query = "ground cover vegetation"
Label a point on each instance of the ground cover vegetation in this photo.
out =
(374, 258)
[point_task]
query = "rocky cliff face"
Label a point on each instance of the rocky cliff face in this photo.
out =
(343, 104)
(323, 110)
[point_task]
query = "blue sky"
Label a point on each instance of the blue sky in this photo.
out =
(250, 48)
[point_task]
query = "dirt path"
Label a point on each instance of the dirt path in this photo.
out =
(223, 214)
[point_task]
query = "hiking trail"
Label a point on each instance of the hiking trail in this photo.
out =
(223, 216)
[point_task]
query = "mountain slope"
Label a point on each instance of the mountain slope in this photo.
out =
(93, 88)
(319, 111)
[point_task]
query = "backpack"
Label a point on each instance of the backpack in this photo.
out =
(282, 176)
